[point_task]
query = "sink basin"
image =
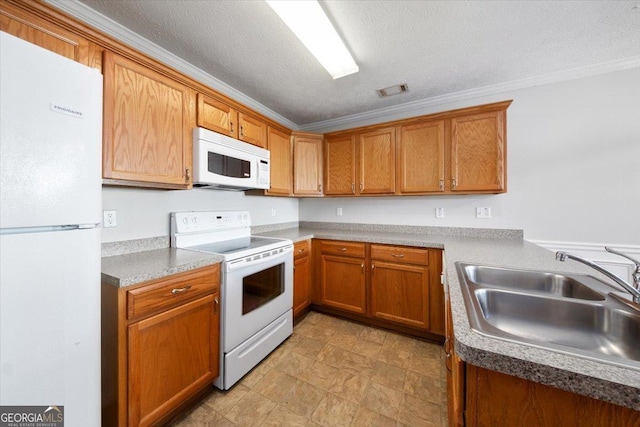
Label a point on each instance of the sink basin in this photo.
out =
(567, 313)
(530, 282)
(595, 328)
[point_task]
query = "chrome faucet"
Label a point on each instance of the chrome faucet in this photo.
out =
(633, 290)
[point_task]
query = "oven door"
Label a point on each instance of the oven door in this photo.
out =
(255, 293)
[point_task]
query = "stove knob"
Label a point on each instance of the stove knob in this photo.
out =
(194, 219)
(185, 220)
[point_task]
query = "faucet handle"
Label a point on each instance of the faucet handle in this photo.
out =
(613, 251)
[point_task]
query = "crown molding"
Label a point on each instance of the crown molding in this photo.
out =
(416, 108)
(125, 35)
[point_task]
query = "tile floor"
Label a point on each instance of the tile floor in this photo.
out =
(333, 372)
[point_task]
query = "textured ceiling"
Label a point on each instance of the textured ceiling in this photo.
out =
(436, 47)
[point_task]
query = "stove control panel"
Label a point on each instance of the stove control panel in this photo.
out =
(203, 221)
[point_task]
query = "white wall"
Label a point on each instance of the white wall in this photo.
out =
(573, 168)
(143, 213)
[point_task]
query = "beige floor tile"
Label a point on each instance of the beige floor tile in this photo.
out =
(390, 376)
(281, 416)
(349, 328)
(251, 410)
(394, 356)
(223, 401)
(275, 385)
(295, 365)
(366, 417)
(320, 333)
(425, 387)
(314, 317)
(330, 322)
(358, 364)
(332, 355)
(382, 399)
(415, 411)
(427, 366)
(373, 334)
(320, 375)
(342, 340)
(399, 342)
(367, 348)
(349, 386)
(308, 347)
(334, 411)
(303, 398)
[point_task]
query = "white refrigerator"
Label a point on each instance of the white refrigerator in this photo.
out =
(50, 207)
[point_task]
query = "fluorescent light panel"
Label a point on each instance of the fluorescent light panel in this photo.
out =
(310, 24)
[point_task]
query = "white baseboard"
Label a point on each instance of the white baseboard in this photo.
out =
(595, 252)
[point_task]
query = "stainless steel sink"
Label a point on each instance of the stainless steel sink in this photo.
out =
(568, 313)
(531, 282)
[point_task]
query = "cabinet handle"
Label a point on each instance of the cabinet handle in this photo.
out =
(453, 183)
(216, 304)
(353, 188)
(361, 187)
(319, 188)
(241, 130)
(362, 267)
(342, 249)
(231, 130)
(398, 255)
(300, 250)
(180, 290)
(187, 174)
(441, 184)
(372, 267)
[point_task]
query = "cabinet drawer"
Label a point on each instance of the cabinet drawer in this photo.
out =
(301, 249)
(400, 254)
(342, 248)
(166, 293)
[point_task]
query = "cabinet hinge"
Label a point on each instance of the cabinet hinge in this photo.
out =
(187, 175)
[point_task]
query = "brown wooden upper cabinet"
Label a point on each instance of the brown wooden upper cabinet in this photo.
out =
(478, 152)
(49, 36)
(420, 157)
(279, 145)
(148, 122)
(307, 164)
(377, 162)
(219, 117)
(340, 165)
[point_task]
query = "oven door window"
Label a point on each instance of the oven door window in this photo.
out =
(229, 166)
(262, 287)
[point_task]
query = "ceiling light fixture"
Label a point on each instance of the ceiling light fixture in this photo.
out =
(393, 90)
(310, 24)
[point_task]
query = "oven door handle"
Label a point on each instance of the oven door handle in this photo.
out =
(249, 261)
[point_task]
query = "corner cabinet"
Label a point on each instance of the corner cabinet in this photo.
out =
(148, 123)
(160, 346)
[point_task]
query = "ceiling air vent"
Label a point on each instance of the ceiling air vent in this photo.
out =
(392, 90)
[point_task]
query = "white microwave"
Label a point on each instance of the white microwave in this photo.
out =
(225, 163)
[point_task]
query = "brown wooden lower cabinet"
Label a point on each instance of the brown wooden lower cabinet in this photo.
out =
(301, 278)
(384, 285)
(160, 346)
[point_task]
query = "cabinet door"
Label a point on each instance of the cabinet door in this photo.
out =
(420, 159)
(340, 166)
(301, 284)
(148, 121)
(377, 162)
(252, 130)
(400, 293)
(307, 163)
(279, 144)
(455, 375)
(343, 283)
(171, 356)
(478, 152)
(217, 116)
(49, 36)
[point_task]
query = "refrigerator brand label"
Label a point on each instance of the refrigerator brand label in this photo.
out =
(70, 111)
(32, 416)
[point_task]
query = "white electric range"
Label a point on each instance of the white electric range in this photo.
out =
(256, 288)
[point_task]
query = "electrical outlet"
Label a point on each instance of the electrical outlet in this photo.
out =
(439, 212)
(109, 219)
(483, 213)
(273, 211)
(339, 211)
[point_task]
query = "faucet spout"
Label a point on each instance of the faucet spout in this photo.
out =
(635, 293)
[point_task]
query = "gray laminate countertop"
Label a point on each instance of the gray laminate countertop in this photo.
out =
(600, 380)
(133, 268)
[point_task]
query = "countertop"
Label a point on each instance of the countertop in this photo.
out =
(603, 381)
(587, 377)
